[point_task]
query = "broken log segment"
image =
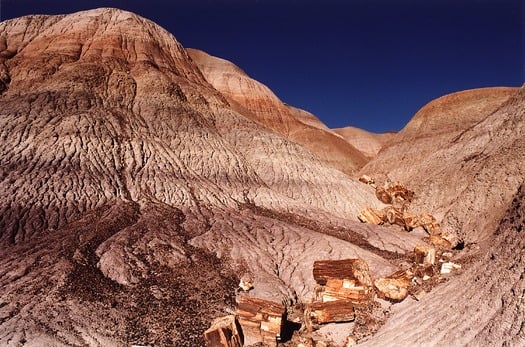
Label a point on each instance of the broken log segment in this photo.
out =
(330, 312)
(338, 289)
(223, 333)
(349, 269)
(261, 320)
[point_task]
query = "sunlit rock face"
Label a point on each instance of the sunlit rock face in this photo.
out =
(139, 183)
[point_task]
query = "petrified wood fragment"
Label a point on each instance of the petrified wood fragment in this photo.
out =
(223, 333)
(394, 193)
(349, 269)
(329, 312)
(438, 241)
(429, 223)
(369, 215)
(394, 216)
(395, 286)
(424, 254)
(261, 320)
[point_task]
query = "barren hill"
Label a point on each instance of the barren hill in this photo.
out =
(254, 100)
(464, 154)
(368, 143)
(132, 189)
(140, 183)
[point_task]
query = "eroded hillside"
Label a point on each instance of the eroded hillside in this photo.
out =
(130, 185)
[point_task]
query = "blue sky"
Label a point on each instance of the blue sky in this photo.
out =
(370, 64)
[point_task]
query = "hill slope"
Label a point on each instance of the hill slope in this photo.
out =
(463, 153)
(254, 100)
(132, 188)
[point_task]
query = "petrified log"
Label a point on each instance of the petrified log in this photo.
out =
(349, 269)
(261, 320)
(223, 333)
(330, 312)
(343, 289)
(424, 254)
(369, 215)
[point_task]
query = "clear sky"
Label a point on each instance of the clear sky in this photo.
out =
(365, 63)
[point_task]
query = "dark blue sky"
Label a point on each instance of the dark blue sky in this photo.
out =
(366, 63)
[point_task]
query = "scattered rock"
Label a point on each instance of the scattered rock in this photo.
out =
(424, 255)
(448, 267)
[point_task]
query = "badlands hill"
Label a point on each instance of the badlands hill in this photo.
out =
(256, 101)
(366, 142)
(140, 181)
(464, 154)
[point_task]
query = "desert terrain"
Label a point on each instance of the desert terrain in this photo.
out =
(142, 181)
